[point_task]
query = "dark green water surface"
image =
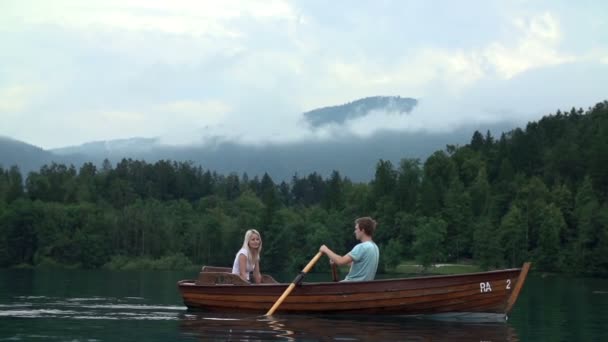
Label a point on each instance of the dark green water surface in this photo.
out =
(60, 305)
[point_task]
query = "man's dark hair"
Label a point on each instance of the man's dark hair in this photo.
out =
(366, 224)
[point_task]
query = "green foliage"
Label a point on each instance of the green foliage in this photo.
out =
(488, 251)
(405, 224)
(537, 193)
(392, 254)
(19, 223)
(408, 184)
(439, 171)
(320, 235)
(177, 261)
(5, 260)
(514, 238)
(599, 254)
(480, 194)
(429, 239)
(477, 141)
(47, 262)
(385, 180)
(334, 198)
(586, 206)
(14, 186)
(458, 215)
(548, 257)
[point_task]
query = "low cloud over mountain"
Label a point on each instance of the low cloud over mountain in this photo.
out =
(350, 138)
(359, 108)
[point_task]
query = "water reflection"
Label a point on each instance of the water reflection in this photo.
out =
(217, 327)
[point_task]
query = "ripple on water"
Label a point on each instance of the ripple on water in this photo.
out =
(88, 308)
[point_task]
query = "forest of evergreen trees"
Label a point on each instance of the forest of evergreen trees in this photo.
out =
(538, 194)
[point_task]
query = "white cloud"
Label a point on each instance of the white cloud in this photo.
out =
(192, 17)
(125, 118)
(426, 70)
(414, 75)
(248, 69)
(537, 47)
(205, 112)
(15, 98)
(187, 122)
(177, 122)
(450, 69)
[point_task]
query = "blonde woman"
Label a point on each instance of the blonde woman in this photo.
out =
(247, 260)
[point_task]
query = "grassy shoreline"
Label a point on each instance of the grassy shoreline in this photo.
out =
(412, 268)
(180, 262)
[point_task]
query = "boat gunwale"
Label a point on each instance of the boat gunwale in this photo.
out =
(192, 282)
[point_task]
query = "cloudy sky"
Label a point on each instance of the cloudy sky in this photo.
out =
(73, 71)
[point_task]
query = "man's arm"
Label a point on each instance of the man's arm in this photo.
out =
(337, 259)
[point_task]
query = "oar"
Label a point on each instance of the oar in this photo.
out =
(293, 284)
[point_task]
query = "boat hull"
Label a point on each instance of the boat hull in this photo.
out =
(492, 292)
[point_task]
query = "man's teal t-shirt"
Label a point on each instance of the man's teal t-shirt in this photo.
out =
(365, 262)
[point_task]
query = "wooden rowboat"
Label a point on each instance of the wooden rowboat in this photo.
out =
(485, 294)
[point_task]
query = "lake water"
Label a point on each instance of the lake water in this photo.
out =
(81, 305)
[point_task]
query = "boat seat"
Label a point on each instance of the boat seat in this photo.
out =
(216, 269)
(219, 278)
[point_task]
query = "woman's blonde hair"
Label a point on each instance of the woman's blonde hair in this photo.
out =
(250, 257)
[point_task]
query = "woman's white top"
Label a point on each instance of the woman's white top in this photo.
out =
(236, 267)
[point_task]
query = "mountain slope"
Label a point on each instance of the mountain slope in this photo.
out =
(352, 155)
(342, 113)
(117, 146)
(26, 156)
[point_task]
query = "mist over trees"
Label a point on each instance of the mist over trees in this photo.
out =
(538, 194)
(281, 160)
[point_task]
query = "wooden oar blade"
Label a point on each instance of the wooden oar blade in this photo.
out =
(293, 284)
